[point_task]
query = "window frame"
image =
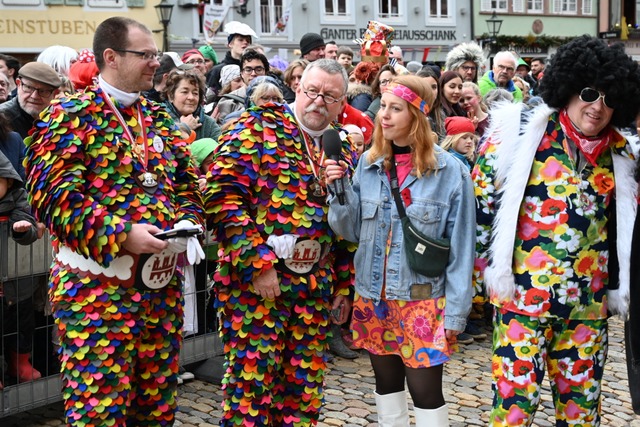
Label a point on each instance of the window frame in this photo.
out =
(401, 19)
(349, 16)
(440, 21)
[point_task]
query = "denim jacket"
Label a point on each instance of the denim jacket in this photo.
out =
(442, 205)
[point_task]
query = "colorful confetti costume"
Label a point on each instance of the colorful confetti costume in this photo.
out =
(119, 345)
(259, 185)
(550, 265)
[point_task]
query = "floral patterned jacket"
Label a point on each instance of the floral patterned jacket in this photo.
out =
(543, 222)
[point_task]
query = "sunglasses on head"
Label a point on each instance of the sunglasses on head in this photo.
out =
(590, 95)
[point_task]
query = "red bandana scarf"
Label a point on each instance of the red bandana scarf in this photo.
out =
(591, 147)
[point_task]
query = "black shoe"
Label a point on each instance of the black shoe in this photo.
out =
(464, 338)
(474, 332)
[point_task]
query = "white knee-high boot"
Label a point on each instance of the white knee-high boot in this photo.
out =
(392, 409)
(438, 417)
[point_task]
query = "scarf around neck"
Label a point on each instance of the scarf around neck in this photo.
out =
(124, 98)
(590, 146)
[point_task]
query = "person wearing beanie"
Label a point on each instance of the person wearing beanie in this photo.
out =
(522, 71)
(38, 84)
(461, 143)
(195, 58)
(253, 64)
(202, 157)
(239, 36)
(210, 57)
(312, 47)
(466, 59)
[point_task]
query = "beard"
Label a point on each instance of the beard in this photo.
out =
(32, 109)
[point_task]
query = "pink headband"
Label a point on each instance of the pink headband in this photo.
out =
(408, 95)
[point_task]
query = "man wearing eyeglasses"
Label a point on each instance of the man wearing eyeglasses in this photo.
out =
(556, 197)
(285, 276)
(252, 65)
(107, 170)
(38, 84)
(466, 59)
(504, 68)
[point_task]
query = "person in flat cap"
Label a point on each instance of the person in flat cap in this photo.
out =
(312, 47)
(239, 36)
(37, 85)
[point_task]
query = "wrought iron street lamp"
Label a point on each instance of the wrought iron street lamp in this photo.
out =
(493, 25)
(164, 11)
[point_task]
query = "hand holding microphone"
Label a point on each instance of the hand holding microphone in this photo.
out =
(332, 146)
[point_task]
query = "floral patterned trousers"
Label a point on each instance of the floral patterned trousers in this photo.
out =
(574, 353)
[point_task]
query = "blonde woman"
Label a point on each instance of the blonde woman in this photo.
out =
(398, 320)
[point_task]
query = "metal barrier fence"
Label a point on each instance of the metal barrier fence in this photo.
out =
(28, 267)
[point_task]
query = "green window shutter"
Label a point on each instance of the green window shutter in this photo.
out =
(74, 2)
(53, 2)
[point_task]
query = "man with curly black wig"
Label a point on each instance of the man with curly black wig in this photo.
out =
(556, 196)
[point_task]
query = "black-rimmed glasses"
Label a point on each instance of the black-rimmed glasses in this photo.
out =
(44, 93)
(147, 56)
(591, 95)
(251, 70)
(328, 99)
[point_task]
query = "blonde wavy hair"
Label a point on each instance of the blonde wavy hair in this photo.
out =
(423, 138)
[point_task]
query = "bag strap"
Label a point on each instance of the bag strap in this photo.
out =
(395, 188)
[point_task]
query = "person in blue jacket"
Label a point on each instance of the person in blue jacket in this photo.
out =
(406, 321)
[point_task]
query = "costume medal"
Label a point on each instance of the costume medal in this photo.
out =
(318, 186)
(147, 180)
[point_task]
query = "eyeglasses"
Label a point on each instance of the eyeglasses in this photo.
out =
(147, 56)
(328, 99)
(505, 68)
(268, 98)
(469, 68)
(590, 95)
(385, 82)
(196, 61)
(250, 70)
(41, 92)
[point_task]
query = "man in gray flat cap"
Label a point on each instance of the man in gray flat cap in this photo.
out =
(37, 84)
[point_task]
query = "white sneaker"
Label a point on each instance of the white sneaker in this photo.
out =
(186, 375)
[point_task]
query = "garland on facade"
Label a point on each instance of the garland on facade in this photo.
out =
(530, 40)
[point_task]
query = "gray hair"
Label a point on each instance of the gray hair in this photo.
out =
(329, 66)
(497, 95)
(503, 54)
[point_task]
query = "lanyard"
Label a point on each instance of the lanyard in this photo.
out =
(141, 154)
(313, 155)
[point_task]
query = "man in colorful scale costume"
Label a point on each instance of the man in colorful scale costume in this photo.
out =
(106, 170)
(282, 269)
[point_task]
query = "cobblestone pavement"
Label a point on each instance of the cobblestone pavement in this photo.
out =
(349, 398)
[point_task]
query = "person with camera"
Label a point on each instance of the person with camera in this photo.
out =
(410, 208)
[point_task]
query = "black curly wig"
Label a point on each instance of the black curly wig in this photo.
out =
(589, 62)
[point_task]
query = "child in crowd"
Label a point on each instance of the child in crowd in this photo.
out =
(461, 139)
(17, 325)
(357, 137)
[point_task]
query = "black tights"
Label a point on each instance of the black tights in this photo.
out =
(425, 384)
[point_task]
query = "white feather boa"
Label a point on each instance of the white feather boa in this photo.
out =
(514, 158)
